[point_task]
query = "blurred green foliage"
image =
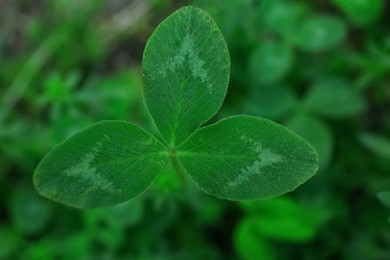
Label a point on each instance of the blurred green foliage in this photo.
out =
(319, 67)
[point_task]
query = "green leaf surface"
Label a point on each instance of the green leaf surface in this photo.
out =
(334, 97)
(320, 33)
(186, 69)
(376, 144)
(271, 61)
(247, 157)
(361, 12)
(107, 163)
(316, 133)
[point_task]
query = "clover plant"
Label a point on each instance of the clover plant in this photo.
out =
(186, 69)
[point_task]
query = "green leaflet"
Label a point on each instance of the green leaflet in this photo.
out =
(271, 61)
(186, 69)
(334, 97)
(246, 157)
(282, 16)
(320, 33)
(107, 163)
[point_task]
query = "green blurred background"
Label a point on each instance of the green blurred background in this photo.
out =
(319, 67)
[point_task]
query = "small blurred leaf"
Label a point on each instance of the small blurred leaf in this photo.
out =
(361, 12)
(384, 197)
(288, 228)
(376, 144)
(316, 133)
(250, 245)
(335, 98)
(30, 213)
(320, 33)
(285, 219)
(271, 102)
(271, 61)
(281, 16)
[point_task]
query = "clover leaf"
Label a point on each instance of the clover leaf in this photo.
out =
(186, 69)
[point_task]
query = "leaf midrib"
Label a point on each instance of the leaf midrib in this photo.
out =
(179, 107)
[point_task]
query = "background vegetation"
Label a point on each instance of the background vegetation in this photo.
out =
(319, 67)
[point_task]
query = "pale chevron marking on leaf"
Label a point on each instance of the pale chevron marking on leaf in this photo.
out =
(83, 170)
(188, 52)
(265, 156)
